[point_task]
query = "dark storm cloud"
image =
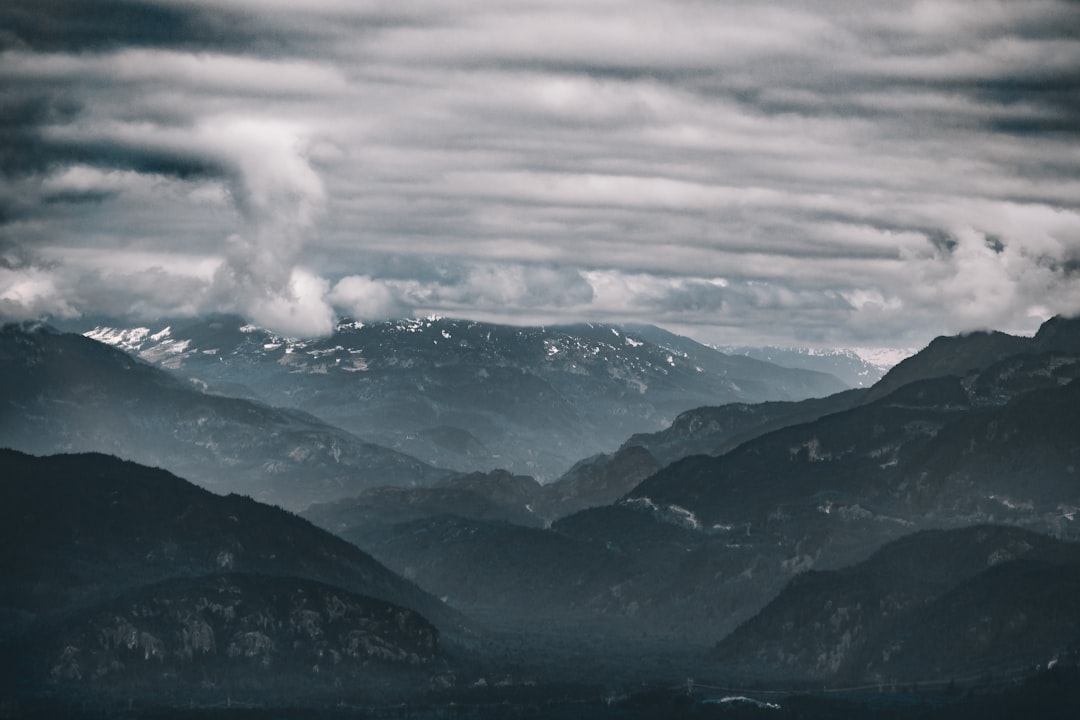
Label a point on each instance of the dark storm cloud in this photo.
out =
(822, 171)
(103, 25)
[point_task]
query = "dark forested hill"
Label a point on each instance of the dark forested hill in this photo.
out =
(935, 604)
(126, 581)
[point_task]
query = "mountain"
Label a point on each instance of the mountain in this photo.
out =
(61, 392)
(120, 578)
(958, 355)
(932, 605)
(716, 430)
(703, 543)
(955, 355)
(366, 518)
(77, 528)
(496, 496)
(237, 637)
(469, 395)
(996, 444)
(858, 367)
(595, 481)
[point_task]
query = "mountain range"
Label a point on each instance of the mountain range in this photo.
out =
(468, 395)
(920, 532)
(700, 545)
(61, 392)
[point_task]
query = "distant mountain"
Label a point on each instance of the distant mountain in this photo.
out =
(858, 368)
(469, 395)
(609, 574)
(596, 481)
(121, 578)
(62, 392)
(933, 605)
(496, 496)
(368, 517)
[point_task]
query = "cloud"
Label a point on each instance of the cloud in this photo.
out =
(363, 298)
(27, 293)
(813, 171)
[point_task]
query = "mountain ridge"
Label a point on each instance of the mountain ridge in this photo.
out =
(469, 395)
(62, 392)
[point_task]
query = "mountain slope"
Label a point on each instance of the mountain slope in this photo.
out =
(248, 638)
(716, 430)
(122, 582)
(596, 481)
(934, 604)
(996, 444)
(75, 529)
(66, 393)
(962, 354)
(470, 395)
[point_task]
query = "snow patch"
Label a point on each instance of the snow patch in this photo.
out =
(685, 516)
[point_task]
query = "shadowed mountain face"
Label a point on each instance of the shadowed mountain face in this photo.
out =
(716, 430)
(470, 395)
(934, 604)
(75, 529)
(66, 393)
(126, 581)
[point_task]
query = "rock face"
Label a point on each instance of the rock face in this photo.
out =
(929, 606)
(65, 393)
(474, 396)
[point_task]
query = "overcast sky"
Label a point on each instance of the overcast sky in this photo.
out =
(814, 172)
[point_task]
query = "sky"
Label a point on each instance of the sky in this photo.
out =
(798, 173)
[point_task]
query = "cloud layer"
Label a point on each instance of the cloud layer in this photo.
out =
(804, 173)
